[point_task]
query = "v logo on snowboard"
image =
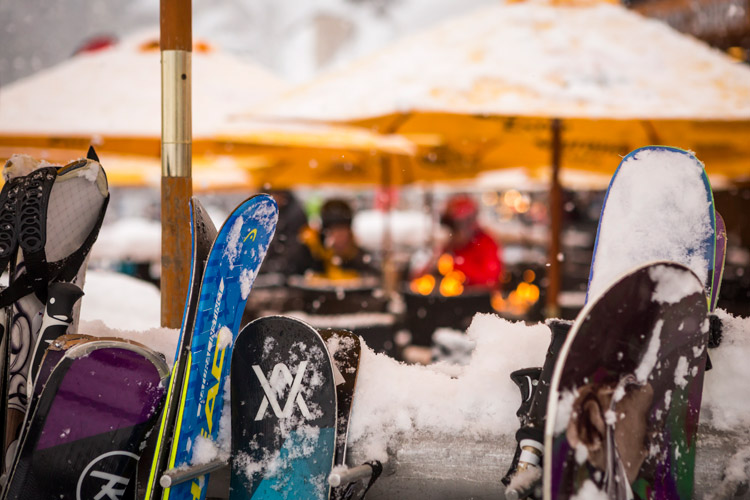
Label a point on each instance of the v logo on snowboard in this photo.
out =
(270, 394)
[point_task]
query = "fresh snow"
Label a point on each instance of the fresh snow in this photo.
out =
(651, 356)
(589, 491)
(672, 285)
(478, 402)
(534, 58)
(724, 403)
(94, 93)
(130, 239)
(120, 301)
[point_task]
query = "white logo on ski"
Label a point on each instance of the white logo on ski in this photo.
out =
(294, 393)
(109, 488)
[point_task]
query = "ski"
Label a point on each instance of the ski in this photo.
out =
(232, 265)
(89, 424)
(661, 198)
(283, 412)
(345, 350)
(203, 233)
(720, 257)
(625, 394)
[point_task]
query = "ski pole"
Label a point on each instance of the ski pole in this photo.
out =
(342, 475)
(173, 477)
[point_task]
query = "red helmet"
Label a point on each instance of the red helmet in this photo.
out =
(460, 208)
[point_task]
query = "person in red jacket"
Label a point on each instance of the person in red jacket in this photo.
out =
(475, 253)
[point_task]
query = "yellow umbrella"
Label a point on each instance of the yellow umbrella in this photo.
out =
(543, 83)
(249, 154)
(480, 91)
(313, 154)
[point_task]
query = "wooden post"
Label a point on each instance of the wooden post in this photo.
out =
(552, 309)
(176, 157)
(390, 278)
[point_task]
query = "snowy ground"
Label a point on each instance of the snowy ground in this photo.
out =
(471, 408)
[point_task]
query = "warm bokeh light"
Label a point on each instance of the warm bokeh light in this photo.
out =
(445, 264)
(423, 285)
(452, 284)
(510, 197)
(522, 204)
(518, 301)
(529, 276)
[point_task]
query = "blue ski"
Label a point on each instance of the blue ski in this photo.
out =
(230, 271)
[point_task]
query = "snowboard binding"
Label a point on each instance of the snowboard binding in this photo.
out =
(524, 476)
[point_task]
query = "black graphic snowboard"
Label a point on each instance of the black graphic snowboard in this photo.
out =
(626, 391)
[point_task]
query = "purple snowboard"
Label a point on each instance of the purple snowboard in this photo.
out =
(91, 419)
(625, 395)
(719, 257)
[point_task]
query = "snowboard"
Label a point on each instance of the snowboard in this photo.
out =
(203, 233)
(626, 390)
(89, 424)
(720, 257)
(283, 412)
(344, 349)
(658, 206)
(233, 262)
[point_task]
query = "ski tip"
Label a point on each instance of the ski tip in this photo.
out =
(91, 154)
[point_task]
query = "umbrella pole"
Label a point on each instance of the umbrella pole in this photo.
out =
(176, 156)
(389, 271)
(555, 210)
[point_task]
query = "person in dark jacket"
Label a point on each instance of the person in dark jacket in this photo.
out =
(287, 254)
(334, 252)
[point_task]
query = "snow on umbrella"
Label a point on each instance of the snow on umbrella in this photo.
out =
(112, 98)
(478, 92)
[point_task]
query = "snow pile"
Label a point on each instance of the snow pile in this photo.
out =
(131, 239)
(121, 301)
(666, 189)
(725, 402)
(393, 398)
(161, 340)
